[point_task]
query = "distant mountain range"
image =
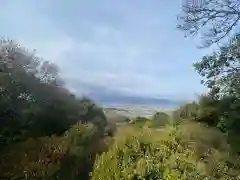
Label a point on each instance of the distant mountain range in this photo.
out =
(108, 96)
(117, 98)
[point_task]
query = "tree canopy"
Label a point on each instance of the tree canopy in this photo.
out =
(214, 18)
(34, 101)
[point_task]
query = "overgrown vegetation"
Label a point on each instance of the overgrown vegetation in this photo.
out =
(63, 157)
(198, 144)
(186, 151)
(33, 99)
(46, 132)
(220, 69)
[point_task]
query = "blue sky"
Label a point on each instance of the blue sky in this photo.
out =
(127, 46)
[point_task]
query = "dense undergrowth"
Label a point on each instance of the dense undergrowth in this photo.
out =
(186, 151)
(57, 157)
(46, 132)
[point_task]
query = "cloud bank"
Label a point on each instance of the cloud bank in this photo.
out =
(128, 47)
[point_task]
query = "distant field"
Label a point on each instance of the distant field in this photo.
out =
(135, 110)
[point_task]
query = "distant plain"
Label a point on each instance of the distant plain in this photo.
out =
(132, 111)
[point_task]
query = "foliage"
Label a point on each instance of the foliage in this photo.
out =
(221, 71)
(160, 119)
(186, 111)
(48, 133)
(214, 18)
(160, 116)
(49, 157)
(181, 152)
(139, 121)
(208, 110)
(33, 99)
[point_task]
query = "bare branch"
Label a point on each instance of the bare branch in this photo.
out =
(214, 19)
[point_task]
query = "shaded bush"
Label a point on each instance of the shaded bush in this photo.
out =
(186, 111)
(64, 157)
(34, 158)
(208, 110)
(139, 121)
(160, 119)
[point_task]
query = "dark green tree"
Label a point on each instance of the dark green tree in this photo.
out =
(34, 101)
(215, 20)
(221, 73)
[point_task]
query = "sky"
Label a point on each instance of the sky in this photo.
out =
(128, 46)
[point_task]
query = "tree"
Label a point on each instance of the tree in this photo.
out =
(215, 18)
(33, 100)
(160, 119)
(208, 110)
(161, 116)
(221, 70)
(221, 73)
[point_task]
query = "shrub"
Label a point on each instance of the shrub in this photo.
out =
(186, 111)
(34, 158)
(139, 121)
(53, 157)
(160, 119)
(172, 153)
(208, 110)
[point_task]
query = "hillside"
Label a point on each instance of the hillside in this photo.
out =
(186, 151)
(107, 104)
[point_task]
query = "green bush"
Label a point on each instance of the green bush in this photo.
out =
(170, 153)
(208, 111)
(160, 119)
(186, 111)
(139, 121)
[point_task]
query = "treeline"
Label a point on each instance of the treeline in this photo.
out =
(46, 132)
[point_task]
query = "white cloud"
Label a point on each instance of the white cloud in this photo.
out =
(132, 61)
(22, 21)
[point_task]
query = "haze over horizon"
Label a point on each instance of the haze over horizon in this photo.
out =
(127, 48)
